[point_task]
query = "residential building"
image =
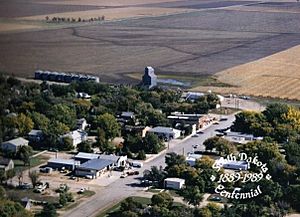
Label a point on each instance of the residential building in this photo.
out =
(84, 157)
(232, 165)
(14, 144)
(81, 124)
(149, 78)
(241, 138)
(192, 96)
(174, 183)
(76, 136)
(165, 133)
(59, 163)
(192, 158)
(35, 135)
(94, 167)
(6, 164)
(137, 130)
(126, 118)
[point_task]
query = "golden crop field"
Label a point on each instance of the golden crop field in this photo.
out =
(276, 76)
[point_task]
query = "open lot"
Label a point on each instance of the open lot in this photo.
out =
(215, 37)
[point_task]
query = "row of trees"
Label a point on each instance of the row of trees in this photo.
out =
(73, 20)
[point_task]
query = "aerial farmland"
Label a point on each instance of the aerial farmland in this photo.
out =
(178, 38)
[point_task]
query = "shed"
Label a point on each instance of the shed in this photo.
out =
(174, 183)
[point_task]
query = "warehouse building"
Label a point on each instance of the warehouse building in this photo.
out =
(59, 163)
(165, 133)
(94, 167)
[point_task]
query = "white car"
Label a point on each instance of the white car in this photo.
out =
(81, 191)
(89, 177)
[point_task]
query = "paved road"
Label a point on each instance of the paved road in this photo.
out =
(123, 188)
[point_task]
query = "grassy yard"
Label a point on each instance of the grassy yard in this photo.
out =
(35, 161)
(143, 200)
(17, 194)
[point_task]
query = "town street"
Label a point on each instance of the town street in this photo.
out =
(122, 188)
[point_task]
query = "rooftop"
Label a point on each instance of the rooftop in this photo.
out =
(64, 161)
(96, 164)
(85, 155)
(35, 132)
(162, 130)
(113, 158)
(4, 161)
(174, 180)
(17, 142)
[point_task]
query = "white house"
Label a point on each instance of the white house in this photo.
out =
(232, 165)
(192, 158)
(14, 144)
(240, 137)
(165, 133)
(174, 183)
(118, 160)
(6, 164)
(76, 136)
(81, 124)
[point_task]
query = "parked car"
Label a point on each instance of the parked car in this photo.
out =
(215, 198)
(26, 186)
(81, 191)
(124, 175)
(195, 146)
(195, 135)
(72, 177)
(137, 164)
(89, 177)
(200, 132)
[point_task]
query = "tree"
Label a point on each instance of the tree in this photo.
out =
(34, 177)
(152, 144)
(48, 210)
(40, 120)
(173, 159)
(141, 155)
(2, 193)
(64, 114)
(130, 205)
(3, 176)
(162, 200)
(24, 154)
(109, 125)
(220, 144)
(85, 147)
(66, 144)
(155, 174)
(24, 124)
(192, 195)
(53, 133)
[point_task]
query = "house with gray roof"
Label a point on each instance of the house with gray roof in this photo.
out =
(35, 135)
(59, 163)
(165, 133)
(94, 167)
(6, 164)
(14, 145)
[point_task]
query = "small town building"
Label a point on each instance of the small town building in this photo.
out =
(81, 124)
(6, 164)
(137, 130)
(174, 183)
(165, 133)
(14, 144)
(232, 165)
(241, 138)
(76, 136)
(192, 96)
(59, 163)
(118, 161)
(149, 78)
(200, 120)
(94, 167)
(35, 135)
(84, 157)
(192, 158)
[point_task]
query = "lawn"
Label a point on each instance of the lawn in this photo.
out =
(143, 200)
(35, 161)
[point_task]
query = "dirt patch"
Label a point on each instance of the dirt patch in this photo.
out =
(7, 27)
(273, 76)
